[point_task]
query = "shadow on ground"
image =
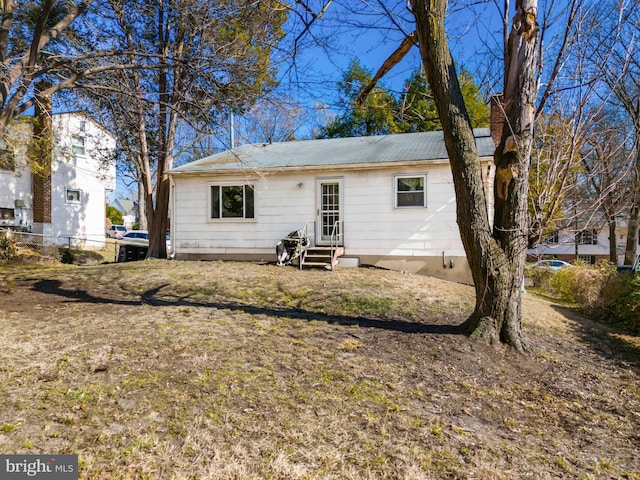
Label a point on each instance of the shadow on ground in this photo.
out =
(153, 297)
(606, 341)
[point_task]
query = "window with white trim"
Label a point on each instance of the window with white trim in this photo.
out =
(411, 191)
(73, 195)
(552, 237)
(232, 201)
(77, 145)
(588, 259)
(587, 237)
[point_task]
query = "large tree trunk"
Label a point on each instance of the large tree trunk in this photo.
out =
(496, 256)
(142, 207)
(633, 231)
(613, 240)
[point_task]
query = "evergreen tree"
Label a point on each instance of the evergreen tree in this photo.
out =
(382, 113)
(373, 117)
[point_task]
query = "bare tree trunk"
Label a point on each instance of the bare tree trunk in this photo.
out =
(496, 257)
(142, 210)
(633, 229)
(633, 223)
(168, 84)
(613, 240)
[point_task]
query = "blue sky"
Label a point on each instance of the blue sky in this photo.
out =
(333, 42)
(370, 36)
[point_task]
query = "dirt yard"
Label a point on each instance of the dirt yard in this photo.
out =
(211, 370)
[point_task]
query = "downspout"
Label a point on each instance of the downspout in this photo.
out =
(172, 229)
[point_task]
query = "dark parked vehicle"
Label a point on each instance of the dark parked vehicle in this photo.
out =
(635, 268)
(134, 245)
(138, 236)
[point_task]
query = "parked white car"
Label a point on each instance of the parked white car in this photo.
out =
(551, 264)
(116, 231)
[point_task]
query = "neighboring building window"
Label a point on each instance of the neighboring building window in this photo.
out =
(553, 237)
(411, 191)
(7, 160)
(232, 201)
(587, 237)
(77, 145)
(7, 214)
(73, 195)
(588, 259)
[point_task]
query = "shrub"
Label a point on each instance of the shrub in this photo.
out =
(114, 215)
(598, 291)
(623, 302)
(540, 277)
(8, 249)
(584, 284)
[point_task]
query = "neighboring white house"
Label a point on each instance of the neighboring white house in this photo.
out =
(129, 210)
(71, 202)
(592, 245)
(392, 195)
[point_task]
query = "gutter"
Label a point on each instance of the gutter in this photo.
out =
(302, 168)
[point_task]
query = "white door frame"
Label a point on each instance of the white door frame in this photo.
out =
(329, 201)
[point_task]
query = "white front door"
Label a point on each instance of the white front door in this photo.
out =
(329, 211)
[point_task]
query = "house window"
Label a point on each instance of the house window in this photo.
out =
(77, 145)
(232, 201)
(587, 237)
(411, 191)
(588, 259)
(7, 160)
(73, 195)
(552, 238)
(7, 214)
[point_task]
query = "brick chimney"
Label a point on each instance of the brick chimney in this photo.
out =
(496, 118)
(41, 149)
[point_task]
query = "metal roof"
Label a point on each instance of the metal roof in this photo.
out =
(383, 149)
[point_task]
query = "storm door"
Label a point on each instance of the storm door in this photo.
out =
(329, 211)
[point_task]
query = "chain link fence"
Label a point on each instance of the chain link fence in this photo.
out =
(64, 248)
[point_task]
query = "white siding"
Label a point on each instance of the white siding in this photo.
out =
(566, 245)
(372, 226)
(16, 185)
(92, 174)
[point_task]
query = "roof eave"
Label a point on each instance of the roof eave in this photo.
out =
(322, 168)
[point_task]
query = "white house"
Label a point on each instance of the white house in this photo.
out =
(69, 201)
(391, 198)
(588, 245)
(129, 210)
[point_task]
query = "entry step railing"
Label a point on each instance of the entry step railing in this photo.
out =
(325, 256)
(298, 246)
(321, 257)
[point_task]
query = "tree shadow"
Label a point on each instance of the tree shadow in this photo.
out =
(152, 297)
(603, 339)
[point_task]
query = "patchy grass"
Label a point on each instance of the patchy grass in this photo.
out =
(215, 370)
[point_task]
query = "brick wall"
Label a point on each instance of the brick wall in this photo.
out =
(496, 118)
(41, 150)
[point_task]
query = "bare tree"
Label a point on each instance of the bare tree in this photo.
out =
(608, 173)
(276, 118)
(30, 49)
(190, 59)
(616, 52)
(555, 163)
